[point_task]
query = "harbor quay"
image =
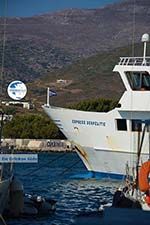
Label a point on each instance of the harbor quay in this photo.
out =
(53, 145)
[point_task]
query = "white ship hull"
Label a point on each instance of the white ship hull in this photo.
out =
(104, 151)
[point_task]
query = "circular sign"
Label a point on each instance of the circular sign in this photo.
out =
(17, 90)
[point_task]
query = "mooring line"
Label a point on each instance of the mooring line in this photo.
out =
(2, 219)
(44, 165)
(69, 168)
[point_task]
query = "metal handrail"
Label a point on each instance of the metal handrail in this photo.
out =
(134, 61)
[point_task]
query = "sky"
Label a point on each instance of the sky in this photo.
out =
(25, 8)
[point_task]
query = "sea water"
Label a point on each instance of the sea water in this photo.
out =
(63, 177)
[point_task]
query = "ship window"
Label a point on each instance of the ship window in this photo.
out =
(139, 80)
(136, 125)
(121, 124)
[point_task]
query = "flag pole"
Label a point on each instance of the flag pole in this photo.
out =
(47, 96)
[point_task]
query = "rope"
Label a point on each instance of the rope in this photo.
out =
(51, 161)
(44, 165)
(2, 219)
(69, 168)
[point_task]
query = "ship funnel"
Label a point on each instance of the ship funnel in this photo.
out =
(145, 39)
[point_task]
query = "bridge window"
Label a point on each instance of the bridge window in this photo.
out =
(136, 125)
(121, 124)
(139, 80)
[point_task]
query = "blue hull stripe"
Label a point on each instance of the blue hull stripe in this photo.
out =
(108, 175)
(98, 175)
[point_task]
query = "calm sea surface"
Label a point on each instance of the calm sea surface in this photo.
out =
(58, 175)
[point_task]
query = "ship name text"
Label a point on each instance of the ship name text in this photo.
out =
(89, 122)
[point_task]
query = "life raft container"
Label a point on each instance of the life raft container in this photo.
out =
(143, 176)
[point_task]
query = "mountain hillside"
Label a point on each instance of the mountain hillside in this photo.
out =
(46, 43)
(86, 79)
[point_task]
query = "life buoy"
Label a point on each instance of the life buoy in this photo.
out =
(147, 200)
(143, 176)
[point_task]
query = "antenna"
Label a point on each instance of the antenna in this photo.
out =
(145, 39)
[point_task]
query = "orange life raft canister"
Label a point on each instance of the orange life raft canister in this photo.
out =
(143, 176)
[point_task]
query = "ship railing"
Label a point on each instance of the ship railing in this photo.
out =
(134, 61)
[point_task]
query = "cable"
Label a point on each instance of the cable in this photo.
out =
(3, 47)
(44, 165)
(69, 168)
(132, 139)
(133, 28)
(51, 161)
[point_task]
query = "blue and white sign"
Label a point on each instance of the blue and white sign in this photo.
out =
(18, 158)
(17, 90)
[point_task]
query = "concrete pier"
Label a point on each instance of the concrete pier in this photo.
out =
(39, 144)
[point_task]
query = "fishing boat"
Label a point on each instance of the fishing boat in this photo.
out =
(107, 141)
(131, 201)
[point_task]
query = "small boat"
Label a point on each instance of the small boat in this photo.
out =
(41, 206)
(27, 206)
(6, 173)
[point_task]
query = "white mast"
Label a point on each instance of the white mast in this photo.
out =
(47, 97)
(145, 39)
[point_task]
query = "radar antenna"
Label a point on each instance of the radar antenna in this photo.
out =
(145, 39)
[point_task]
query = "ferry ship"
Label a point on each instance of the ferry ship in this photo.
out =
(107, 142)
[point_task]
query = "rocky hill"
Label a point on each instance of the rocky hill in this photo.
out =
(47, 43)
